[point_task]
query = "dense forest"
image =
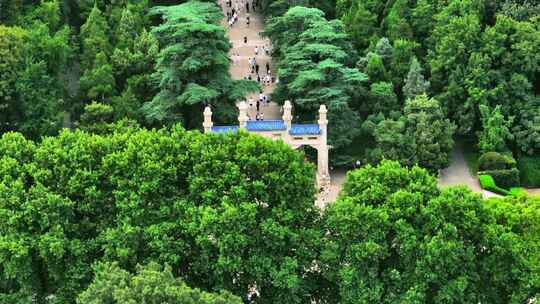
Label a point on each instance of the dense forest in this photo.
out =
(109, 192)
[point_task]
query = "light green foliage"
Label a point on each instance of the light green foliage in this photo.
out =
(420, 136)
(213, 207)
(151, 284)
(98, 82)
(96, 117)
(94, 38)
(383, 99)
(392, 237)
(395, 24)
(487, 182)
(415, 84)
(375, 68)
(520, 214)
(192, 66)
(275, 8)
(496, 130)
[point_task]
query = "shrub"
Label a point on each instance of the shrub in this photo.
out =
(518, 191)
(529, 167)
(487, 183)
(506, 178)
(495, 161)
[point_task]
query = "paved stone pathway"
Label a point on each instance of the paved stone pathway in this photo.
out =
(458, 173)
(241, 52)
(240, 68)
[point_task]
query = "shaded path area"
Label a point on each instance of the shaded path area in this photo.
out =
(458, 172)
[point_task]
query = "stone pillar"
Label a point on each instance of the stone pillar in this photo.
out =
(242, 114)
(208, 124)
(287, 114)
(322, 151)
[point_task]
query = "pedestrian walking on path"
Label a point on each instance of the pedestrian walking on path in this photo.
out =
(267, 67)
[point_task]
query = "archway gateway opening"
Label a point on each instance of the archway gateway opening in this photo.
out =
(295, 135)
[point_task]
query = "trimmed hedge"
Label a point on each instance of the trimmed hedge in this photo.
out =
(487, 183)
(495, 161)
(529, 168)
(506, 179)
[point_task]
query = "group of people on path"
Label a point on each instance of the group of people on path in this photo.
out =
(255, 68)
(260, 72)
(233, 9)
(261, 102)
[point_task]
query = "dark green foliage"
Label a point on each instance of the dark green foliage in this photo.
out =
(96, 117)
(504, 178)
(527, 128)
(151, 284)
(9, 11)
(420, 136)
(30, 93)
(383, 99)
(495, 161)
(213, 207)
(474, 53)
(192, 68)
(315, 67)
(529, 168)
(520, 9)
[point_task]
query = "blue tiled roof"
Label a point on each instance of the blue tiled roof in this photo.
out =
(265, 125)
(305, 129)
(224, 129)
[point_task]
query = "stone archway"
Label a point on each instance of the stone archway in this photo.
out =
(295, 135)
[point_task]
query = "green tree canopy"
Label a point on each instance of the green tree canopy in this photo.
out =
(316, 66)
(415, 84)
(94, 37)
(224, 211)
(151, 284)
(392, 236)
(496, 130)
(422, 135)
(192, 67)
